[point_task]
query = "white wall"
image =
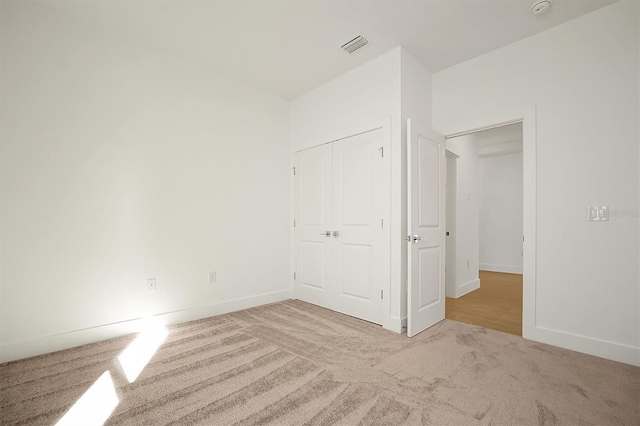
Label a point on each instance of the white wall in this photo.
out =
(363, 99)
(416, 87)
(583, 79)
(119, 164)
(348, 104)
(467, 215)
(500, 179)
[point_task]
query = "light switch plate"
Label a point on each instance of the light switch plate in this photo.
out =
(598, 213)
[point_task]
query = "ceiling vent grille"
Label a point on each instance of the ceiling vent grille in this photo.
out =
(355, 44)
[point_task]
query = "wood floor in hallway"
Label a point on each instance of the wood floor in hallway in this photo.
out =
(497, 304)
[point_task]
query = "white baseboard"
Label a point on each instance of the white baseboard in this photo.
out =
(41, 345)
(394, 324)
(588, 345)
(501, 268)
(463, 289)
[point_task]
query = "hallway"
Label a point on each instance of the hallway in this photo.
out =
(497, 304)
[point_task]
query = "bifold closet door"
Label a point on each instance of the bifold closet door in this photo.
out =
(313, 215)
(357, 219)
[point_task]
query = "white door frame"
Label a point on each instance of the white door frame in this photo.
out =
(451, 221)
(526, 115)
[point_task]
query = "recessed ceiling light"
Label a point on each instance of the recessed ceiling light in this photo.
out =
(355, 44)
(540, 6)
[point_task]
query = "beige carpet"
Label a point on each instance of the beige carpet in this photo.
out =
(295, 363)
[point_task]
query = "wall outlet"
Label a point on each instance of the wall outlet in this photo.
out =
(212, 277)
(151, 284)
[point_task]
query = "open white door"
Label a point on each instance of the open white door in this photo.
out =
(426, 177)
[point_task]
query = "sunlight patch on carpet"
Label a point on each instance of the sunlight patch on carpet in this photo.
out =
(95, 406)
(138, 354)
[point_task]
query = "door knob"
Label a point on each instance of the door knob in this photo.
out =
(336, 234)
(326, 233)
(416, 238)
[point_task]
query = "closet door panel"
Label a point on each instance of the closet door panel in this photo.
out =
(313, 215)
(357, 227)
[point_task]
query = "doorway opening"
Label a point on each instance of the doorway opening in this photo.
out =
(484, 216)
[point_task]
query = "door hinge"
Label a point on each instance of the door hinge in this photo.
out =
(294, 170)
(381, 294)
(294, 223)
(381, 223)
(294, 275)
(381, 149)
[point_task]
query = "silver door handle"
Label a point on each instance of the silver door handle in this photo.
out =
(326, 233)
(336, 234)
(416, 238)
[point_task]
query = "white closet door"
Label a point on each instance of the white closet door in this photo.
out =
(357, 237)
(313, 213)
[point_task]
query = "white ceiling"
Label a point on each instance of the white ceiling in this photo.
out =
(288, 47)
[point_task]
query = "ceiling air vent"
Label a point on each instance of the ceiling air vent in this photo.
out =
(355, 44)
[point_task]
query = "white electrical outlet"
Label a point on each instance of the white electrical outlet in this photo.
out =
(468, 264)
(151, 284)
(212, 277)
